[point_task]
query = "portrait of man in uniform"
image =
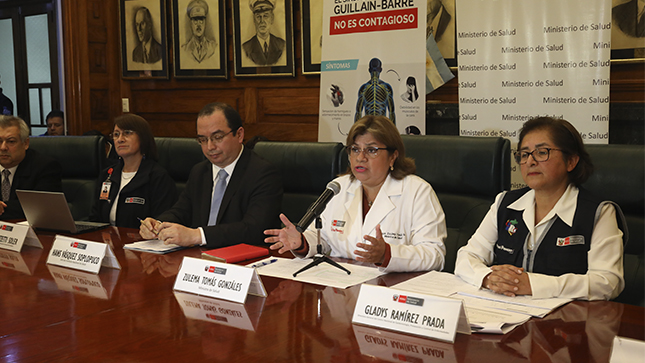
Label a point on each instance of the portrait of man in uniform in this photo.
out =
(264, 48)
(200, 47)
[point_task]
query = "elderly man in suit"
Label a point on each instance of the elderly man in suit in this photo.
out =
(263, 48)
(148, 50)
(230, 198)
(22, 168)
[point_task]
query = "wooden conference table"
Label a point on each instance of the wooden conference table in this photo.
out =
(50, 314)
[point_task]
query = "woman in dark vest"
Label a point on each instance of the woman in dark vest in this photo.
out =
(135, 187)
(552, 238)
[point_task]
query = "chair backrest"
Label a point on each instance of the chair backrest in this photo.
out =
(82, 158)
(466, 173)
(306, 168)
(619, 176)
(178, 155)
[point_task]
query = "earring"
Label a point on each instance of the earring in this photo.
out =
(391, 167)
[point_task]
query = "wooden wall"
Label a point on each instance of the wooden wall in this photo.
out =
(279, 108)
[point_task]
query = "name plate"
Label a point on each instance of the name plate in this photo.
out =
(83, 283)
(14, 236)
(215, 311)
(426, 315)
(81, 255)
(219, 280)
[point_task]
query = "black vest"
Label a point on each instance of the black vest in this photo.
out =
(562, 250)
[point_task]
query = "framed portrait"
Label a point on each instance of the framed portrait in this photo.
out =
(627, 32)
(440, 24)
(144, 47)
(199, 38)
(311, 25)
(263, 38)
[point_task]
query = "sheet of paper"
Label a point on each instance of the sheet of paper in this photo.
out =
(536, 307)
(627, 350)
(323, 274)
(435, 283)
(152, 246)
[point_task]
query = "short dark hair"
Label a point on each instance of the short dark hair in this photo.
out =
(567, 139)
(138, 124)
(233, 119)
(384, 132)
(55, 113)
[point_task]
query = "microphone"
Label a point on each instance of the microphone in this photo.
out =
(318, 206)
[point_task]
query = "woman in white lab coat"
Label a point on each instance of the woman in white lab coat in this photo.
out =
(383, 214)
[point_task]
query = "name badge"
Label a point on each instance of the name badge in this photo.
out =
(426, 315)
(81, 255)
(219, 280)
(14, 236)
(105, 190)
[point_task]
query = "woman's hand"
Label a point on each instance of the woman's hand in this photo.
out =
(374, 252)
(508, 280)
(285, 239)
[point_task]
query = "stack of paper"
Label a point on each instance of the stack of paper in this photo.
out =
(487, 311)
(153, 246)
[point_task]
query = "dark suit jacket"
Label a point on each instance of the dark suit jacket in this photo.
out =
(250, 205)
(151, 192)
(35, 172)
(255, 52)
(155, 52)
(624, 16)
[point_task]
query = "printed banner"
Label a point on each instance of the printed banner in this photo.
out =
(373, 63)
(522, 59)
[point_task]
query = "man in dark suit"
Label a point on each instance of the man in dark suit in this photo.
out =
(630, 18)
(230, 198)
(263, 48)
(22, 168)
(148, 50)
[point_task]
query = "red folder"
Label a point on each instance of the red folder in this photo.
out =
(236, 253)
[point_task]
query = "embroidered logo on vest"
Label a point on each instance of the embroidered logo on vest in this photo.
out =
(510, 226)
(570, 241)
(135, 200)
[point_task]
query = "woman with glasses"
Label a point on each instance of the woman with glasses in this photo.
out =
(551, 238)
(135, 187)
(383, 214)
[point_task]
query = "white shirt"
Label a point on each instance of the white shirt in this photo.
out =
(12, 170)
(604, 277)
(411, 218)
(125, 179)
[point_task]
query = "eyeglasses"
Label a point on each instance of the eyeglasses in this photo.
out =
(539, 154)
(126, 133)
(371, 151)
(215, 138)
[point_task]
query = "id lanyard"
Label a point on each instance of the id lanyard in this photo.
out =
(105, 186)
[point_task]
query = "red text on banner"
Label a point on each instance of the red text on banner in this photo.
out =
(371, 22)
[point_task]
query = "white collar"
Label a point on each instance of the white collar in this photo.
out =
(565, 208)
(228, 168)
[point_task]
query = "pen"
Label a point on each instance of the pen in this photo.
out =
(153, 231)
(264, 263)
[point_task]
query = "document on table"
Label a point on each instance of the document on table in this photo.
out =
(153, 246)
(322, 274)
(487, 311)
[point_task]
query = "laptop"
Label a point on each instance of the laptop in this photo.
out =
(50, 211)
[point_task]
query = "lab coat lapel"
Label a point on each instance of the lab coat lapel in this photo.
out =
(382, 205)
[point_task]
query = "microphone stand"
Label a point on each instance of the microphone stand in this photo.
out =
(319, 257)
